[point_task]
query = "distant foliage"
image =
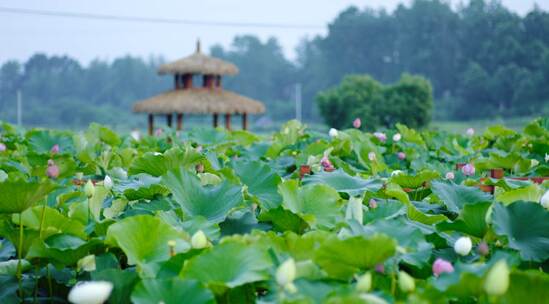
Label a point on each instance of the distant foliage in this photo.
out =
(408, 101)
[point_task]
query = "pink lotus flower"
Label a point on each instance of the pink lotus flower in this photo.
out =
(372, 156)
(2, 147)
(450, 175)
(357, 123)
(381, 136)
(470, 132)
(483, 248)
(372, 203)
(441, 266)
(158, 132)
(401, 155)
(326, 163)
(54, 149)
(468, 170)
(380, 268)
(53, 169)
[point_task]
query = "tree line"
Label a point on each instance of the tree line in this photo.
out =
(482, 60)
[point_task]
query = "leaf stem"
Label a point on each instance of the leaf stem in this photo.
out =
(19, 257)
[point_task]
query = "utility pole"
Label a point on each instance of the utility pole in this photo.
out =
(298, 106)
(19, 109)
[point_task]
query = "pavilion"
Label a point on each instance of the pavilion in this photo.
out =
(207, 98)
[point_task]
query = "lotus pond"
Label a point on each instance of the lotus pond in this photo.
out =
(212, 216)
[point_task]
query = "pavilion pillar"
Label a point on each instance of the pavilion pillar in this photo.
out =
(215, 120)
(151, 124)
(228, 121)
(169, 120)
(244, 121)
(187, 80)
(177, 82)
(179, 121)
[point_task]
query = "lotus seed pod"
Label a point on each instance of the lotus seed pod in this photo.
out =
(199, 240)
(397, 137)
(96, 292)
(364, 282)
(497, 279)
(333, 132)
(89, 189)
(285, 273)
(405, 282)
(463, 245)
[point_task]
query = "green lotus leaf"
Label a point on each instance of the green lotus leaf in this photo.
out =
(62, 249)
(531, 193)
(41, 141)
(455, 197)
(144, 239)
(262, 182)
(284, 220)
(385, 209)
(16, 195)
(343, 182)
(171, 291)
(123, 282)
(211, 202)
(150, 163)
(343, 258)
(317, 204)
(472, 220)
(394, 190)
(235, 264)
(526, 226)
(9, 267)
(54, 222)
(414, 181)
(527, 287)
(141, 186)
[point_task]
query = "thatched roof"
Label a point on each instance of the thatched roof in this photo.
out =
(199, 101)
(199, 63)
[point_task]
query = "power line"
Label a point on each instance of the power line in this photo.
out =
(78, 15)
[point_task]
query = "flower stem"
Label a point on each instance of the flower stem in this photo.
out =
(19, 257)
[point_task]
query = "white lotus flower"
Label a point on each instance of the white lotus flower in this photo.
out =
(199, 240)
(463, 245)
(547, 157)
(533, 163)
(333, 132)
(285, 273)
(93, 292)
(135, 134)
(372, 156)
(544, 201)
(119, 173)
(497, 279)
(470, 132)
(397, 137)
(107, 182)
(396, 172)
(450, 175)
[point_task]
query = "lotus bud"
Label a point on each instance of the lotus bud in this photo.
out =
(468, 169)
(401, 155)
(470, 132)
(54, 149)
(199, 240)
(441, 266)
(333, 132)
(87, 263)
(483, 248)
(397, 137)
(119, 173)
(547, 157)
(381, 136)
(380, 268)
(135, 134)
(53, 170)
(89, 189)
(326, 163)
(450, 175)
(285, 273)
(2, 147)
(354, 209)
(544, 201)
(107, 182)
(171, 246)
(364, 282)
(497, 279)
(405, 282)
(372, 204)
(79, 175)
(372, 156)
(533, 163)
(96, 292)
(357, 123)
(463, 245)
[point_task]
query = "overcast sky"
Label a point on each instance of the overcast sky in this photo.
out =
(23, 35)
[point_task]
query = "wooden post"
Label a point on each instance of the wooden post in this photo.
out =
(497, 173)
(169, 120)
(151, 124)
(244, 121)
(187, 80)
(179, 121)
(208, 81)
(215, 120)
(218, 81)
(228, 121)
(176, 81)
